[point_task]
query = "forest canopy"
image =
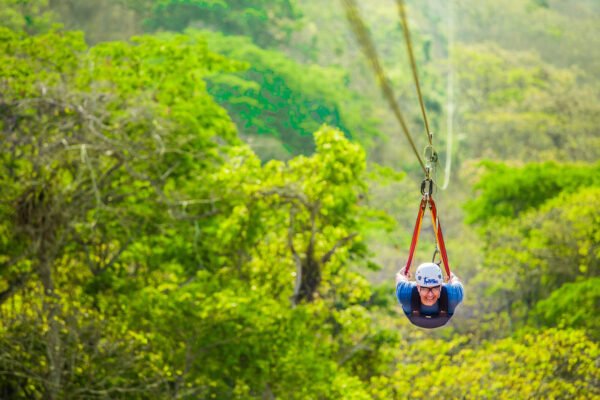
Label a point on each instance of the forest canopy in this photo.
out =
(210, 199)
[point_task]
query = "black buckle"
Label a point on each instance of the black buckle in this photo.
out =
(427, 187)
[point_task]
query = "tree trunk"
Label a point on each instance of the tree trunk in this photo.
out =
(51, 308)
(311, 277)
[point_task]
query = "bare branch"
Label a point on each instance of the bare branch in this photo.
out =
(287, 195)
(116, 256)
(339, 244)
(361, 345)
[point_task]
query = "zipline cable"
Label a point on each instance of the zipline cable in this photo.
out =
(413, 65)
(450, 101)
(360, 31)
(431, 166)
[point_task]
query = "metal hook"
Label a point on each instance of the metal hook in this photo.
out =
(427, 187)
(436, 252)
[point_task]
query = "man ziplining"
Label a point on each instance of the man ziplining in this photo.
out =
(428, 302)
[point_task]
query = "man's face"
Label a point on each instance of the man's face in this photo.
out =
(429, 295)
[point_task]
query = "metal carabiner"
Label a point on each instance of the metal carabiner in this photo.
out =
(427, 187)
(436, 252)
(430, 154)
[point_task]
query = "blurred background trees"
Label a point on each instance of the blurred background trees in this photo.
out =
(209, 199)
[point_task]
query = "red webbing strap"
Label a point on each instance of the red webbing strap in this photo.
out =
(439, 236)
(415, 236)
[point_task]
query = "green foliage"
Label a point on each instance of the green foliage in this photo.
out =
(514, 106)
(146, 252)
(136, 210)
(309, 208)
(91, 142)
(266, 22)
(572, 306)
(32, 16)
(557, 31)
(540, 232)
(101, 20)
(505, 191)
(545, 364)
(98, 355)
(280, 98)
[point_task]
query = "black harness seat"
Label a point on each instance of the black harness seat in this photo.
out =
(425, 320)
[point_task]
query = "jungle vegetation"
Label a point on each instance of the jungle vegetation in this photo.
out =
(210, 199)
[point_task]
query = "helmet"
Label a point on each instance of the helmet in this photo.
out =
(429, 274)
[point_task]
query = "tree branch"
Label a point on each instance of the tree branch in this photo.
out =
(296, 257)
(339, 244)
(287, 195)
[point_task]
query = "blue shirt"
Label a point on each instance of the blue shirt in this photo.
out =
(404, 293)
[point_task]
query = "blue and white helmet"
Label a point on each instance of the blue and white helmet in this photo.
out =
(429, 275)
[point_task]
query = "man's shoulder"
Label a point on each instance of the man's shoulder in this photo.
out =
(454, 292)
(405, 286)
(404, 291)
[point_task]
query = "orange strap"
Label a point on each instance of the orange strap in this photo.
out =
(415, 236)
(439, 236)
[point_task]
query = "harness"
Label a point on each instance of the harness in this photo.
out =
(433, 320)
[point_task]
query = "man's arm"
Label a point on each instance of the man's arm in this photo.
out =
(455, 293)
(404, 291)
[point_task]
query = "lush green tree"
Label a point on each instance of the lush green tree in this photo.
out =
(504, 191)
(30, 16)
(547, 364)
(136, 210)
(146, 252)
(572, 305)
(277, 97)
(88, 153)
(513, 106)
(266, 22)
(539, 231)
